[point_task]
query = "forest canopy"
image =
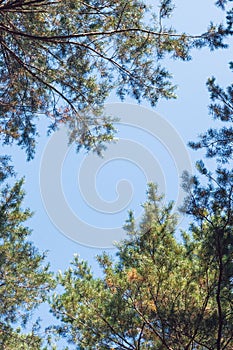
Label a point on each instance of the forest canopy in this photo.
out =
(61, 60)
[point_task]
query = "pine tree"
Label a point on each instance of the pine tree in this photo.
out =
(154, 296)
(24, 277)
(210, 203)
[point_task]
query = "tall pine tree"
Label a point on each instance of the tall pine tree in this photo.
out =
(25, 279)
(156, 295)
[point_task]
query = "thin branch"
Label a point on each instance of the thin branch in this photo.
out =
(140, 336)
(87, 34)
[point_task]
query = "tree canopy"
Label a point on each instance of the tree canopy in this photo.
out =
(158, 294)
(62, 59)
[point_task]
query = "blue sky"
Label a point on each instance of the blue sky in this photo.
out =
(188, 115)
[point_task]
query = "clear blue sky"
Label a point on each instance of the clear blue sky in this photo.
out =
(188, 115)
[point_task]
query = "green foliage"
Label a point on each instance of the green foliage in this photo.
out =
(16, 340)
(158, 294)
(210, 203)
(211, 207)
(24, 278)
(62, 59)
(219, 142)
